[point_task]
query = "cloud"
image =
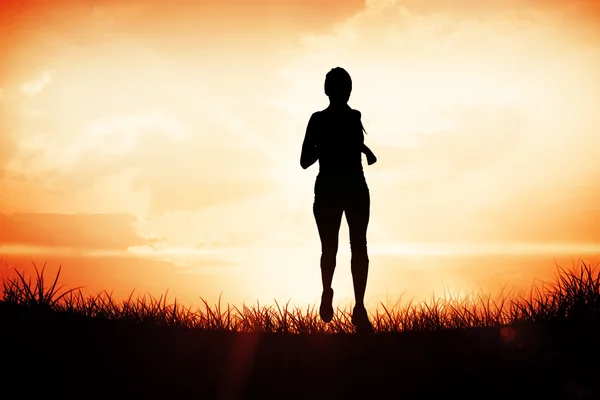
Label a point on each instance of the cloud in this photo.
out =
(100, 142)
(473, 112)
(77, 231)
(184, 167)
(7, 145)
(475, 8)
(215, 165)
(241, 24)
(453, 97)
(36, 85)
(470, 144)
(120, 236)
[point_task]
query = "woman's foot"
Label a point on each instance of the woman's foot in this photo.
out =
(326, 308)
(360, 319)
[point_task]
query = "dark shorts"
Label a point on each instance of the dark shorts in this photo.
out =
(340, 188)
(335, 197)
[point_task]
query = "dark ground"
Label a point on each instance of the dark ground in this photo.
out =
(58, 356)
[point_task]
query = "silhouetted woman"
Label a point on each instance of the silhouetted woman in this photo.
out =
(334, 137)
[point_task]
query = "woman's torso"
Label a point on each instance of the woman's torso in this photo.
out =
(339, 142)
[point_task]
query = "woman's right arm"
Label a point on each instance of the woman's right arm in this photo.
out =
(309, 148)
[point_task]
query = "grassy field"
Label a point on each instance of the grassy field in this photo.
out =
(61, 343)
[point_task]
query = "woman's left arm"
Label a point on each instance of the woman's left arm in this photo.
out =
(371, 159)
(309, 148)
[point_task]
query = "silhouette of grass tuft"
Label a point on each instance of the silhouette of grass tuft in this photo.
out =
(574, 296)
(21, 291)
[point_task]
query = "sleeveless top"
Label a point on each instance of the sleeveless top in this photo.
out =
(339, 140)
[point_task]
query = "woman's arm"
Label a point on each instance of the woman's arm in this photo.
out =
(371, 159)
(309, 149)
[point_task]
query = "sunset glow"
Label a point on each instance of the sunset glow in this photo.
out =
(156, 145)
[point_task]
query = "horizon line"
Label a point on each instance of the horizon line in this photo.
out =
(388, 249)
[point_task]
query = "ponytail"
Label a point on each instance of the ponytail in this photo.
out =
(362, 127)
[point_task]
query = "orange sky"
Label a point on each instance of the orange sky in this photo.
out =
(156, 144)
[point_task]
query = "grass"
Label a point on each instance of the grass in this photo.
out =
(573, 297)
(543, 341)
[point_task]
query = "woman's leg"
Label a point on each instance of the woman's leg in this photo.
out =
(328, 215)
(357, 215)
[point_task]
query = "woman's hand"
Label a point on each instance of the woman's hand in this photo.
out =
(371, 159)
(309, 153)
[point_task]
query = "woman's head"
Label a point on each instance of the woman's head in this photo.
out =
(338, 85)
